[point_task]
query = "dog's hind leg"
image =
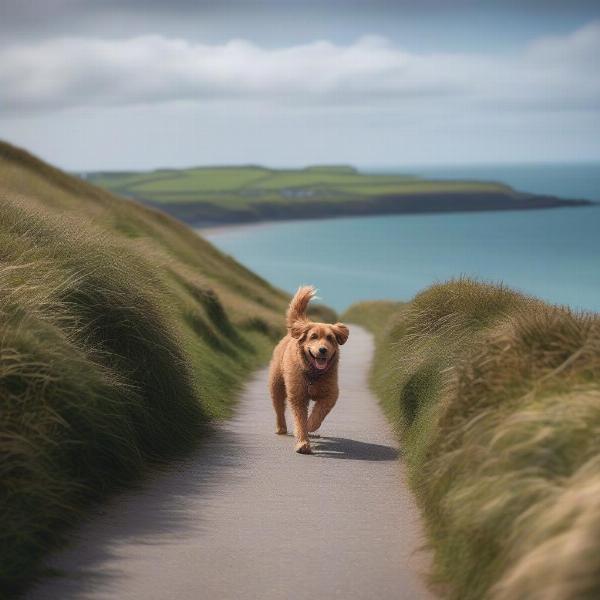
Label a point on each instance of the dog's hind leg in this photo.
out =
(277, 387)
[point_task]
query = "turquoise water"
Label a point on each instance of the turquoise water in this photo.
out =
(553, 254)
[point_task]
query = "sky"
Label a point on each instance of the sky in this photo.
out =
(125, 84)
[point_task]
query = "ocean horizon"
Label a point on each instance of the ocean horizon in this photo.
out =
(571, 180)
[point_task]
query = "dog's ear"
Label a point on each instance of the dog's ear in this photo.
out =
(341, 333)
(299, 330)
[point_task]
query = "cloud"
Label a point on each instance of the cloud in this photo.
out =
(552, 73)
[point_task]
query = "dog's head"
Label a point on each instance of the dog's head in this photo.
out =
(319, 342)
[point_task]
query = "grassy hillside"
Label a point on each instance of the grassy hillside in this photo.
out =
(497, 399)
(121, 331)
(236, 194)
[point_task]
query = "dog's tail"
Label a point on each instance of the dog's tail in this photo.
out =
(297, 309)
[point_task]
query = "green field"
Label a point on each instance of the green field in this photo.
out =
(239, 186)
(216, 195)
(496, 398)
(123, 333)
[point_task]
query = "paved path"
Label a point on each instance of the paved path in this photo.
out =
(247, 518)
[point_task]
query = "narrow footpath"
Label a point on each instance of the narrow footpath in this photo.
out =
(246, 517)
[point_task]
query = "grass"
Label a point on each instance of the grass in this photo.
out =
(496, 397)
(122, 333)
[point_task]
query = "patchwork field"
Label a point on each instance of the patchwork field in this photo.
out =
(207, 195)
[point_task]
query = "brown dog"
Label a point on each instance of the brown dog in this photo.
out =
(304, 367)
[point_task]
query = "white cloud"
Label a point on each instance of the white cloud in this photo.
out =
(554, 72)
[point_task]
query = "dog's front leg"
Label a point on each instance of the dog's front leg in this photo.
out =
(320, 410)
(299, 406)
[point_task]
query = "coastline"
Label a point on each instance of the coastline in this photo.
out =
(223, 227)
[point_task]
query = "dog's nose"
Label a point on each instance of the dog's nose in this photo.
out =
(322, 350)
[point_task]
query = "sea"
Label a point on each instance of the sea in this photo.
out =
(553, 254)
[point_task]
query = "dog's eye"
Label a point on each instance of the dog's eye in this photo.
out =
(330, 337)
(314, 336)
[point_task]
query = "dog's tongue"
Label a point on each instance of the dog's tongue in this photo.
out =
(321, 363)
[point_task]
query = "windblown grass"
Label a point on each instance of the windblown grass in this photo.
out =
(121, 332)
(497, 398)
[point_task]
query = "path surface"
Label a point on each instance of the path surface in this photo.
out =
(247, 518)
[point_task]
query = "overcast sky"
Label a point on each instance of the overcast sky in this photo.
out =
(122, 84)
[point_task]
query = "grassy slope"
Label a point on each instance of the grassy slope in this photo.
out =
(497, 399)
(121, 332)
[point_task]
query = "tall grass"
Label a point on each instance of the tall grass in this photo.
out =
(121, 332)
(497, 398)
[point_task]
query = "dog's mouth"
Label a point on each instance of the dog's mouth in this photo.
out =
(321, 363)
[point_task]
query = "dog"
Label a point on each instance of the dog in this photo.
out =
(304, 367)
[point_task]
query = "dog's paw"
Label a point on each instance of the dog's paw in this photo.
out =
(303, 448)
(313, 435)
(281, 431)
